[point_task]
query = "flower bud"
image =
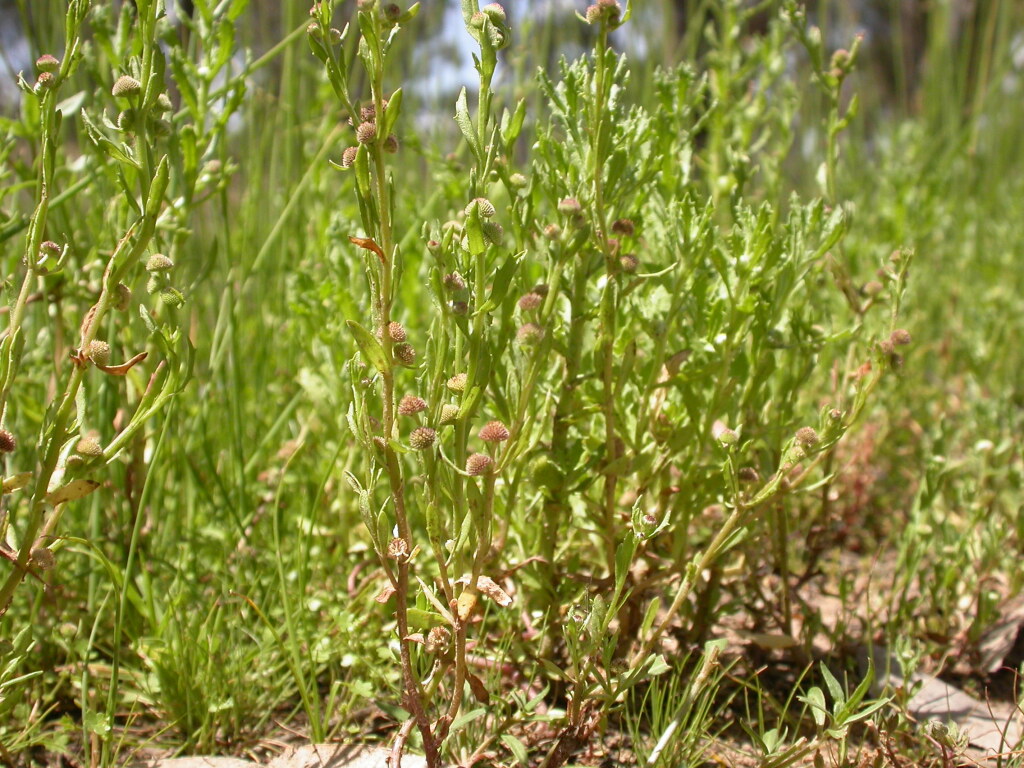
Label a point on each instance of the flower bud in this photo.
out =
(748, 475)
(398, 549)
(159, 263)
(494, 432)
(163, 103)
(390, 144)
(348, 157)
(517, 181)
(411, 404)
(172, 297)
(391, 13)
(46, 81)
(457, 383)
(433, 247)
(479, 464)
(47, 63)
(438, 640)
(495, 13)
(125, 86)
(49, 248)
(723, 434)
(460, 307)
(493, 232)
(552, 231)
(449, 413)
(422, 438)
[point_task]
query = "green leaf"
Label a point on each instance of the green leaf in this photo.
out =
(369, 346)
(465, 123)
(512, 125)
(391, 112)
(517, 748)
(815, 699)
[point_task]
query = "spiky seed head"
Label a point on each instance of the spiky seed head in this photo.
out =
(570, 206)
(405, 354)
(629, 262)
(390, 144)
(7, 442)
(457, 383)
(529, 334)
(398, 549)
(449, 414)
(47, 63)
(517, 181)
(43, 559)
(453, 281)
(483, 205)
(98, 351)
(460, 307)
(493, 232)
(368, 113)
(807, 436)
(366, 133)
(623, 227)
(89, 446)
(159, 263)
(348, 157)
(411, 404)
(479, 464)
(46, 81)
(396, 331)
(125, 86)
(422, 438)
(494, 432)
(163, 103)
(900, 337)
(495, 13)
(530, 301)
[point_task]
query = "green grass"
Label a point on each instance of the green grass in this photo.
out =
(658, 501)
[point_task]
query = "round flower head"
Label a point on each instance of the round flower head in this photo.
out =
(391, 144)
(900, 337)
(49, 248)
(367, 114)
(806, 436)
(348, 157)
(411, 404)
(494, 432)
(457, 383)
(479, 464)
(493, 232)
(7, 442)
(517, 181)
(453, 281)
(495, 13)
(623, 227)
(405, 354)
(552, 231)
(46, 81)
(483, 205)
(98, 351)
(89, 446)
(530, 301)
(422, 438)
(396, 331)
(366, 133)
(570, 206)
(159, 263)
(629, 262)
(529, 334)
(126, 85)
